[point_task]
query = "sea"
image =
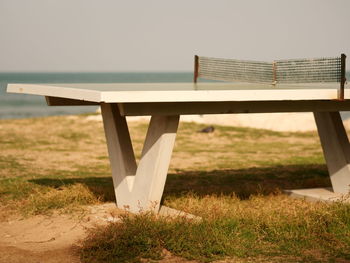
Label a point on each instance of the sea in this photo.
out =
(17, 106)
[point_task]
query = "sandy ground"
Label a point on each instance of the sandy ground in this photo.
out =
(292, 122)
(50, 239)
(56, 238)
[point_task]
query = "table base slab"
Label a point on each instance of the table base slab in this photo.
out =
(317, 194)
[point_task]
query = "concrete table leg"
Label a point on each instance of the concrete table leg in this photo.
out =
(336, 150)
(139, 188)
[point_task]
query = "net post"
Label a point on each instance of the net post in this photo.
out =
(274, 71)
(196, 64)
(342, 76)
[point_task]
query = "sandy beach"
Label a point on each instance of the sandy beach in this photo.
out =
(284, 122)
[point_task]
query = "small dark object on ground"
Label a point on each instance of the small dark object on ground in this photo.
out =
(208, 129)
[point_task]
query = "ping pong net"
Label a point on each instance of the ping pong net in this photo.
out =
(289, 71)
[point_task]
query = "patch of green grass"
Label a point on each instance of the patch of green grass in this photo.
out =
(13, 189)
(305, 160)
(69, 198)
(96, 113)
(12, 140)
(30, 198)
(9, 162)
(74, 136)
(103, 157)
(63, 189)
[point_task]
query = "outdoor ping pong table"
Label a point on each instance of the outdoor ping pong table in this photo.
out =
(141, 187)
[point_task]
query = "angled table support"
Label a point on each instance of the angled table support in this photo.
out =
(336, 150)
(139, 188)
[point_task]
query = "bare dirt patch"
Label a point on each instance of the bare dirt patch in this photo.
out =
(51, 238)
(56, 238)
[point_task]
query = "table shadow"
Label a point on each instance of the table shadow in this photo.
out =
(241, 182)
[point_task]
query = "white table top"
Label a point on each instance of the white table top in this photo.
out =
(181, 92)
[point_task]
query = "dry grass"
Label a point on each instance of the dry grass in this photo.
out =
(263, 229)
(232, 178)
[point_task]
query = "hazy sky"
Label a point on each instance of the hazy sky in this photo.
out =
(164, 35)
